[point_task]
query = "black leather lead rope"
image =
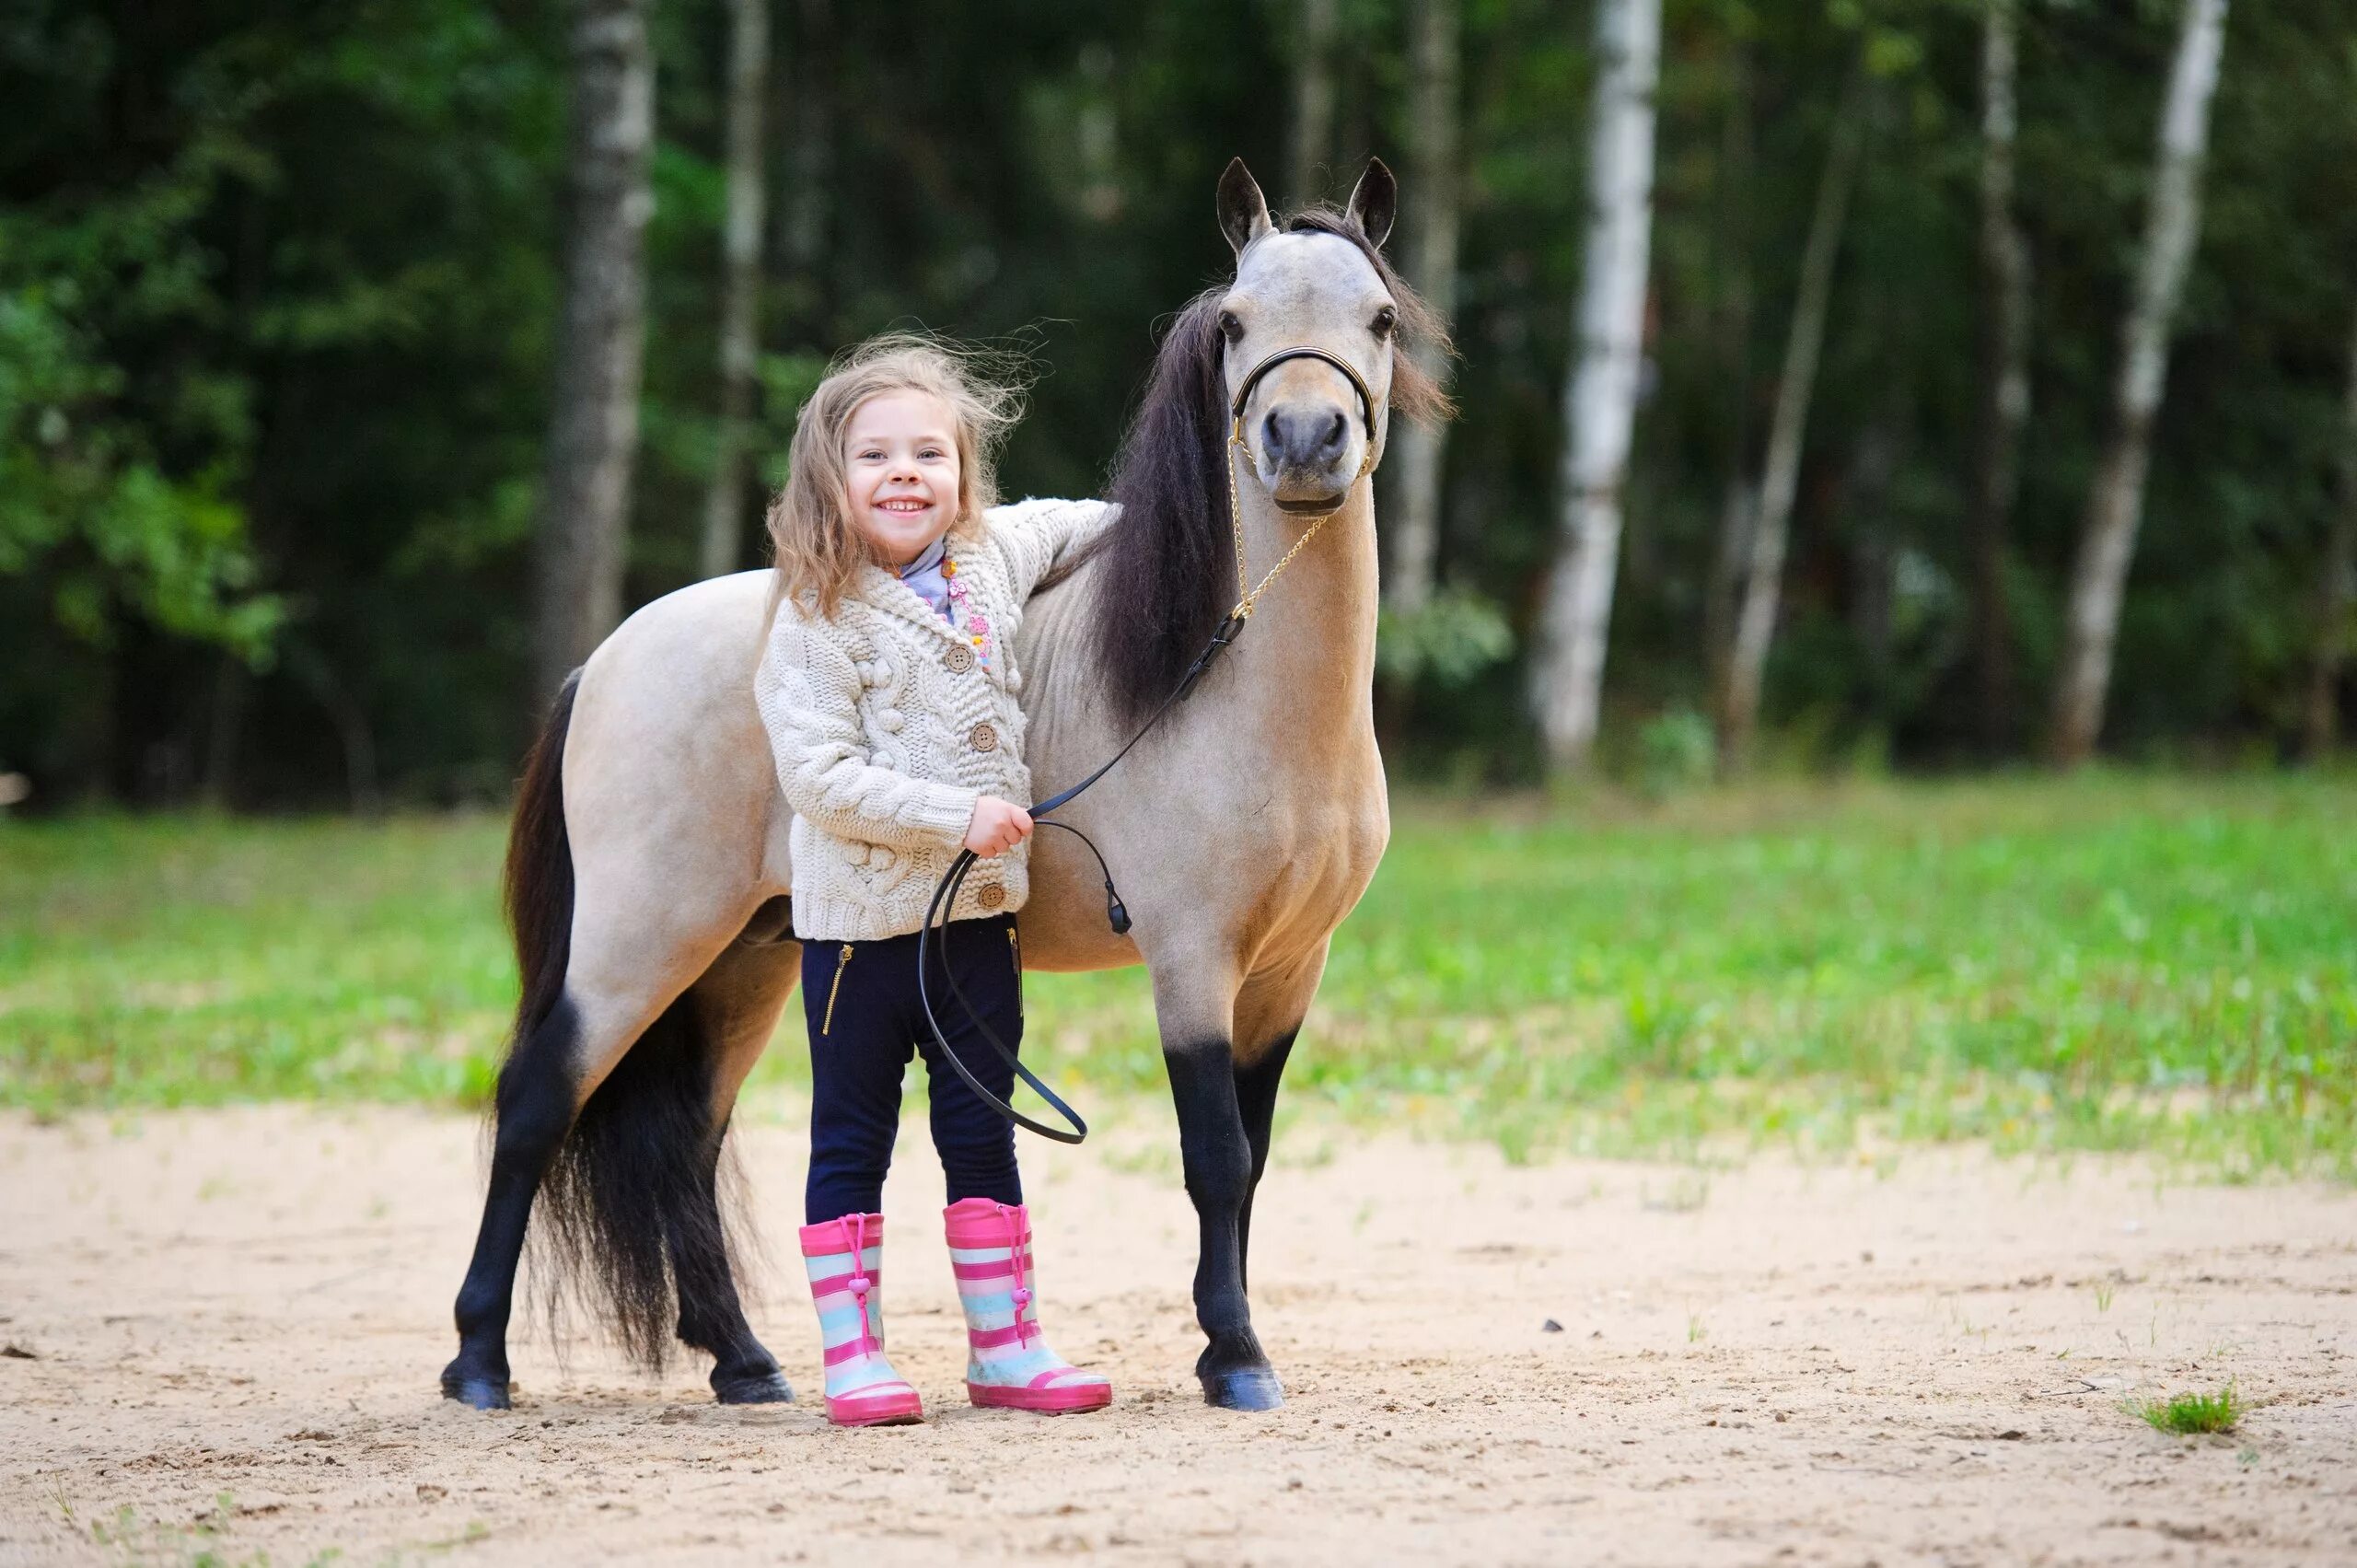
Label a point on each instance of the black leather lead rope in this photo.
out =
(945, 899)
(944, 894)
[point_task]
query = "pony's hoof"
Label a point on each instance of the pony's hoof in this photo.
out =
(753, 1388)
(1247, 1389)
(477, 1393)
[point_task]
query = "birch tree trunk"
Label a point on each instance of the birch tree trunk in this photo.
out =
(2332, 609)
(1787, 430)
(1313, 102)
(593, 423)
(1600, 398)
(1433, 119)
(2115, 504)
(2004, 376)
(749, 69)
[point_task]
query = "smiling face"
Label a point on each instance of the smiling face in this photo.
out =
(901, 472)
(1302, 423)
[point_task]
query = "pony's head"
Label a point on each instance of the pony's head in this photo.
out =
(1317, 280)
(1319, 283)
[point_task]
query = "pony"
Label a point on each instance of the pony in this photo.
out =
(647, 879)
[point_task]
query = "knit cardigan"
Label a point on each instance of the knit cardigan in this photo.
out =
(888, 723)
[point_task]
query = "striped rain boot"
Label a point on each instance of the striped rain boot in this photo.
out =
(1009, 1363)
(845, 1259)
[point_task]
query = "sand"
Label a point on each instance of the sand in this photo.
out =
(222, 1330)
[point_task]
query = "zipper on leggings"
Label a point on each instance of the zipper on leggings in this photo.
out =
(1015, 951)
(842, 963)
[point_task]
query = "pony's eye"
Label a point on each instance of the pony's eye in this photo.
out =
(1385, 320)
(1230, 328)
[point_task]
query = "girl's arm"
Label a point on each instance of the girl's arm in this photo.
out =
(807, 692)
(1042, 535)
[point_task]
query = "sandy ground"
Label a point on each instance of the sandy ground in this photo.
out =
(223, 1329)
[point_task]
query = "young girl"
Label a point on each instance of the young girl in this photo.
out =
(888, 688)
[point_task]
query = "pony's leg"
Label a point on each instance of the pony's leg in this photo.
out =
(1270, 1007)
(741, 997)
(1195, 1007)
(624, 968)
(1256, 1098)
(534, 1106)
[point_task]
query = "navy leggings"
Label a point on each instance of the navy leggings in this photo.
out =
(860, 999)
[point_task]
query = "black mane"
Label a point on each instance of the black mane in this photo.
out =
(1165, 571)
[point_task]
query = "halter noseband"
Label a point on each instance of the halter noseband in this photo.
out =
(1304, 351)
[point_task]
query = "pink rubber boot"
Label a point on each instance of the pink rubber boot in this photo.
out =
(845, 1259)
(1007, 1362)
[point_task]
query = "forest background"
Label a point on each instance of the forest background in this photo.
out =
(280, 316)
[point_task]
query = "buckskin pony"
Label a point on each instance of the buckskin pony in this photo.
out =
(647, 879)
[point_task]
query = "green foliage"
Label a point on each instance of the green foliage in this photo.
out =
(277, 304)
(85, 498)
(2114, 962)
(2189, 1415)
(1451, 639)
(1676, 752)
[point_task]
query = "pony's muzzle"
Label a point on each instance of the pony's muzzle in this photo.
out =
(1306, 449)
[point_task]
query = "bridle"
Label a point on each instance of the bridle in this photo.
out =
(944, 894)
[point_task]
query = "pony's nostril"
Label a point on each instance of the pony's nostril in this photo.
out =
(1300, 437)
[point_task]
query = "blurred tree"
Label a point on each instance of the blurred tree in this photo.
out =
(1435, 177)
(2334, 592)
(1313, 102)
(1600, 398)
(1771, 514)
(2004, 333)
(2114, 505)
(748, 66)
(1731, 322)
(812, 165)
(593, 419)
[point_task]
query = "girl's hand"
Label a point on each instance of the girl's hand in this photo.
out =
(998, 826)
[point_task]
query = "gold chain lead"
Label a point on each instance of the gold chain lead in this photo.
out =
(1247, 600)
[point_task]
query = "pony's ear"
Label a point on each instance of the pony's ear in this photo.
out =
(1375, 202)
(1243, 211)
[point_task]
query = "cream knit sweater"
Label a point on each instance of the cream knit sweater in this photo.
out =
(887, 729)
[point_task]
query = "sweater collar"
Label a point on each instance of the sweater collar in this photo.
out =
(884, 590)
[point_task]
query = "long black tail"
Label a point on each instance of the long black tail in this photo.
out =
(538, 880)
(632, 1189)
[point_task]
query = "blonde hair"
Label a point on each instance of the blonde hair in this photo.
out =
(817, 548)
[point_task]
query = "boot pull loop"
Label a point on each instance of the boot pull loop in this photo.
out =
(860, 1283)
(1019, 1259)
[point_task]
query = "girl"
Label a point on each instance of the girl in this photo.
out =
(888, 689)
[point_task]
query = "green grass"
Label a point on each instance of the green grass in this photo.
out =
(2113, 961)
(2190, 1415)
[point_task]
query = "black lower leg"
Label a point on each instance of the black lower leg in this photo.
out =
(1218, 1164)
(712, 1316)
(1256, 1100)
(535, 1108)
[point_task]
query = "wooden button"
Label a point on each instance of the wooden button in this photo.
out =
(959, 658)
(990, 895)
(984, 737)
